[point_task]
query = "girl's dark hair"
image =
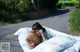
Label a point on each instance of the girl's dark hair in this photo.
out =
(36, 26)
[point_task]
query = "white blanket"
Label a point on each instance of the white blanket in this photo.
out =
(60, 42)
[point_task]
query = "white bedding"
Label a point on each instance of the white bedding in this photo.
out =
(60, 42)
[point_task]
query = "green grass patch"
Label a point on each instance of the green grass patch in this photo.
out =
(74, 21)
(68, 1)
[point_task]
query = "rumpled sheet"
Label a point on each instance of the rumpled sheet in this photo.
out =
(59, 42)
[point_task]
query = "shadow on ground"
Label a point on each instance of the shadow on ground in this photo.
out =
(53, 13)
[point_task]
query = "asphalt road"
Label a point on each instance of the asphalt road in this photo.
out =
(58, 21)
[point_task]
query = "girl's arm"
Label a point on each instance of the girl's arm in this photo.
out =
(42, 34)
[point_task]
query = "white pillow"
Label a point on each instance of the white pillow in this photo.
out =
(55, 44)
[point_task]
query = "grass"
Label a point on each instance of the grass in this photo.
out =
(74, 21)
(68, 1)
(3, 23)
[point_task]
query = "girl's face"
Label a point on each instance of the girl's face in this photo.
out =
(37, 31)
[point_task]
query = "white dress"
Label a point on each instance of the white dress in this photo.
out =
(57, 41)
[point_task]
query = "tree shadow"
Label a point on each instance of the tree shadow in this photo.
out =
(56, 13)
(60, 12)
(52, 13)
